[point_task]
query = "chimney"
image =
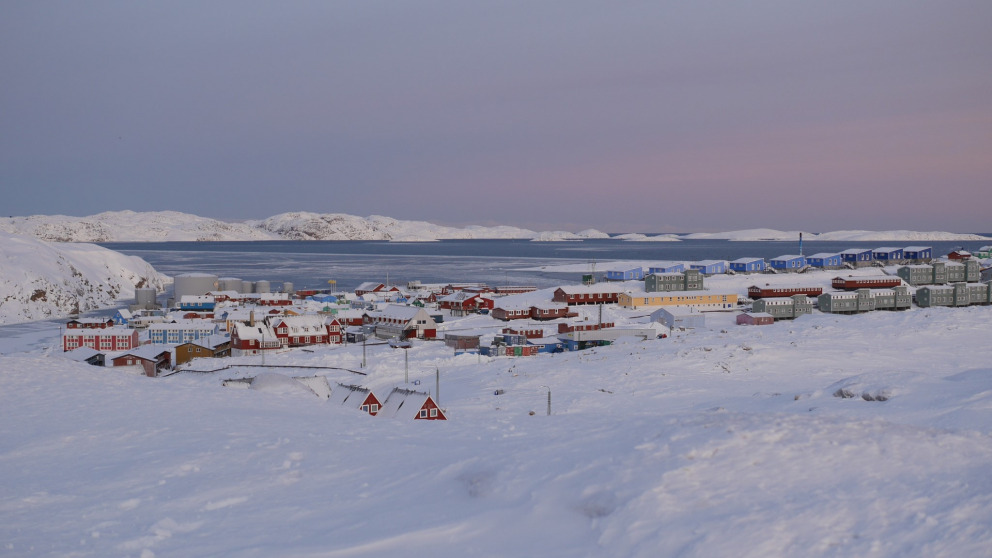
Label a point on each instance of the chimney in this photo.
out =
(251, 318)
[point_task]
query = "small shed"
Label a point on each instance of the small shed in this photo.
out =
(755, 318)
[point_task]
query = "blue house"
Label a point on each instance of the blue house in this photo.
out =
(190, 303)
(748, 265)
(548, 344)
(181, 332)
(825, 260)
(122, 317)
(788, 263)
(710, 267)
(625, 274)
(857, 256)
(666, 267)
(920, 253)
(887, 254)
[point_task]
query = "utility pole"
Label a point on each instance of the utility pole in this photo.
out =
(549, 399)
(406, 365)
(437, 385)
(363, 347)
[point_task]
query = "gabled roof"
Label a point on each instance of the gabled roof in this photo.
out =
(403, 403)
(823, 255)
(747, 260)
(145, 352)
(399, 312)
(82, 354)
(349, 395)
(257, 332)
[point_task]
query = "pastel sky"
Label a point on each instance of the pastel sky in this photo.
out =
(654, 116)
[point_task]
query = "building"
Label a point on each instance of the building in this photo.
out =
(857, 257)
(688, 280)
(368, 287)
(787, 263)
(699, 300)
(985, 252)
(755, 318)
(573, 295)
(549, 311)
(625, 274)
(87, 355)
(940, 273)
(748, 265)
(580, 340)
(100, 338)
(825, 260)
(956, 294)
(214, 346)
(356, 397)
(959, 255)
(253, 338)
(299, 331)
(90, 323)
(784, 308)
(678, 318)
(404, 322)
(887, 255)
(408, 404)
(755, 292)
(196, 303)
(855, 283)
(150, 358)
(181, 331)
(865, 300)
(710, 267)
(462, 341)
(667, 267)
(460, 303)
(917, 254)
(509, 311)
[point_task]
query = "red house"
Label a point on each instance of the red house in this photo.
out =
(100, 338)
(569, 328)
(755, 292)
(855, 283)
(464, 302)
(959, 255)
(409, 404)
(535, 333)
(368, 287)
(586, 294)
(550, 312)
(507, 313)
(356, 397)
(151, 358)
(89, 323)
(755, 318)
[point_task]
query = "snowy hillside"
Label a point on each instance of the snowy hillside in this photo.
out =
(40, 280)
(130, 226)
(829, 436)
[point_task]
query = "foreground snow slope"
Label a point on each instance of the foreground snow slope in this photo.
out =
(728, 441)
(40, 280)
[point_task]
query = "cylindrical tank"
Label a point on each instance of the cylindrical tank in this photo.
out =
(229, 284)
(263, 287)
(247, 286)
(144, 297)
(194, 284)
(287, 287)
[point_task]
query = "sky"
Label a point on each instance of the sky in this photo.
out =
(654, 116)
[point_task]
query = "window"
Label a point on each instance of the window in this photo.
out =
(374, 408)
(423, 413)
(433, 413)
(365, 408)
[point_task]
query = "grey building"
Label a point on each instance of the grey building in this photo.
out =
(847, 302)
(956, 294)
(940, 273)
(688, 280)
(784, 308)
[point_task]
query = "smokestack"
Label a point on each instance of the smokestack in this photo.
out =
(800, 244)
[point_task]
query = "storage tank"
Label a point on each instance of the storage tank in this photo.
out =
(144, 297)
(229, 284)
(287, 287)
(263, 287)
(247, 286)
(194, 284)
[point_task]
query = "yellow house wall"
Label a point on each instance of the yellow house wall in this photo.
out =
(629, 301)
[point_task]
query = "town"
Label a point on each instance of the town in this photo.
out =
(210, 317)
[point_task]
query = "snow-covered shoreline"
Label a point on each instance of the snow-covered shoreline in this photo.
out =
(162, 226)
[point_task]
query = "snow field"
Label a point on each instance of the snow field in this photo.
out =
(727, 441)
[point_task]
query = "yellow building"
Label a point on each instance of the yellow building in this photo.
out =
(703, 300)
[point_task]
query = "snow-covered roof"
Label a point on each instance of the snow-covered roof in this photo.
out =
(147, 352)
(916, 248)
(822, 255)
(196, 299)
(587, 289)
(82, 354)
(747, 260)
(187, 325)
(257, 332)
(708, 262)
(787, 257)
(399, 312)
(887, 249)
(855, 251)
(402, 402)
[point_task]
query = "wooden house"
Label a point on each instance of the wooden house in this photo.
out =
(855, 283)
(667, 267)
(748, 265)
(253, 339)
(755, 318)
(696, 299)
(507, 312)
(465, 302)
(825, 260)
(355, 397)
(215, 346)
(959, 255)
(90, 323)
(787, 263)
(549, 311)
(788, 308)
(87, 355)
(688, 280)
(573, 295)
(150, 358)
(887, 255)
(852, 302)
(411, 405)
(857, 257)
(404, 322)
(710, 267)
(918, 254)
(196, 303)
(100, 338)
(625, 274)
(299, 331)
(181, 331)
(755, 292)
(368, 287)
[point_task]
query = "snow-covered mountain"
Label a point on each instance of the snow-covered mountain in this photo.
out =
(40, 280)
(131, 226)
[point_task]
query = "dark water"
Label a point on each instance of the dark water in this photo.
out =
(312, 263)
